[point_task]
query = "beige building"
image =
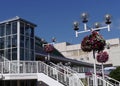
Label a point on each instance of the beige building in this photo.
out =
(75, 52)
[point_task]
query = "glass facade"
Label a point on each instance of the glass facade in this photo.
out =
(8, 40)
(26, 41)
(13, 32)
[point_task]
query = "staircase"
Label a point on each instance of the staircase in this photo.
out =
(99, 79)
(112, 81)
(61, 76)
(39, 69)
(73, 75)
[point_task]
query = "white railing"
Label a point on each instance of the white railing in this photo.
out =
(74, 78)
(7, 63)
(103, 82)
(100, 81)
(112, 81)
(61, 76)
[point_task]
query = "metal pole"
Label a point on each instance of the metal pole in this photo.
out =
(48, 58)
(103, 75)
(102, 71)
(95, 79)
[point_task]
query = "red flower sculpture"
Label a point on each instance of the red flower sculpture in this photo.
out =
(102, 57)
(93, 42)
(86, 44)
(49, 48)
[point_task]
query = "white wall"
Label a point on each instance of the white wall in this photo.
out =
(75, 52)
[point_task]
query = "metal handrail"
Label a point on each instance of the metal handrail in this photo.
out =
(41, 67)
(116, 82)
(7, 63)
(69, 71)
(105, 83)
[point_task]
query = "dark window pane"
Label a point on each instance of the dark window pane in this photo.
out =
(1, 43)
(32, 43)
(8, 41)
(21, 54)
(14, 41)
(21, 28)
(8, 54)
(27, 54)
(31, 31)
(32, 55)
(8, 29)
(14, 54)
(14, 27)
(2, 30)
(21, 41)
(27, 42)
(27, 30)
(1, 53)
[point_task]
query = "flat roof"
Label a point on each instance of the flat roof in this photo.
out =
(17, 18)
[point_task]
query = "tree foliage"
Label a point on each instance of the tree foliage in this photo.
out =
(115, 74)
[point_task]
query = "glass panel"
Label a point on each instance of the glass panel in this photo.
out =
(14, 41)
(14, 54)
(2, 30)
(1, 52)
(26, 54)
(8, 54)
(27, 42)
(1, 43)
(31, 31)
(32, 43)
(8, 41)
(27, 30)
(21, 41)
(21, 54)
(14, 27)
(32, 55)
(21, 28)
(8, 29)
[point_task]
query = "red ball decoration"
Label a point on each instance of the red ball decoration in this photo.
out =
(97, 41)
(48, 48)
(93, 42)
(102, 57)
(86, 44)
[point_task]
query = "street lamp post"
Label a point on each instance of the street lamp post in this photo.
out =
(49, 49)
(96, 27)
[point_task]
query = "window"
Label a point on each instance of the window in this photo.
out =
(14, 54)
(27, 54)
(32, 55)
(14, 41)
(14, 27)
(27, 42)
(1, 43)
(2, 30)
(31, 31)
(27, 30)
(21, 28)
(21, 41)
(8, 29)
(1, 52)
(8, 41)
(32, 43)
(8, 54)
(21, 53)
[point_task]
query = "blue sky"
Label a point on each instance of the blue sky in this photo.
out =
(54, 18)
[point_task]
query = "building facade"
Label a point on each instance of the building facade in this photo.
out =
(22, 57)
(17, 39)
(75, 52)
